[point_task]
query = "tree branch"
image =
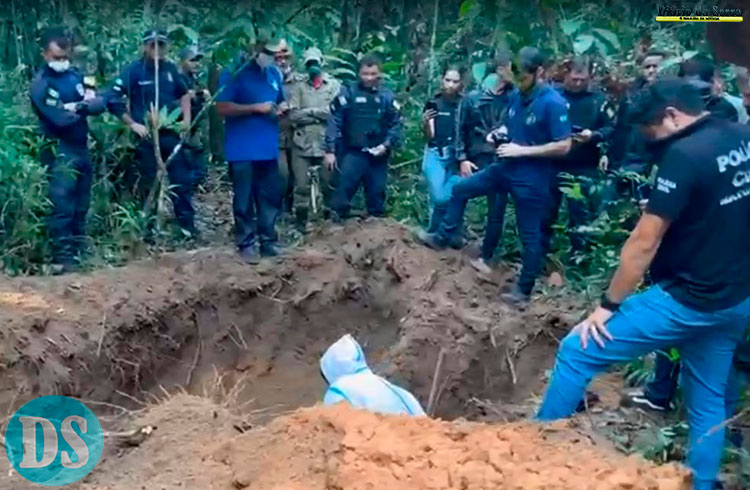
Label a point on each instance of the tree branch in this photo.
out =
(297, 12)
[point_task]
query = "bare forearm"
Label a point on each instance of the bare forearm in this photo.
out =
(233, 109)
(554, 149)
(127, 119)
(429, 130)
(187, 115)
(635, 259)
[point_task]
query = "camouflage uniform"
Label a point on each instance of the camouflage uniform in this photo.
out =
(285, 139)
(310, 109)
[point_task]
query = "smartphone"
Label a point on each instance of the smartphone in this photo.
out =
(577, 129)
(431, 106)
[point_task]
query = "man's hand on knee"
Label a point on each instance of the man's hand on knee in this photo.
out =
(595, 327)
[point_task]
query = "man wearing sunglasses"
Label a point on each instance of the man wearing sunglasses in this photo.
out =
(252, 102)
(134, 101)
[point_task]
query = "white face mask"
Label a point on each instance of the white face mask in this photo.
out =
(59, 66)
(264, 60)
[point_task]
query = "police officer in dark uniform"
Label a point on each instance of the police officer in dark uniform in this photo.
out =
(480, 112)
(628, 151)
(365, 124)
(539, 132)
(592, 119)
(659, 392)
(62, 104)
(134, 95)
(701, 71)
(190, 67)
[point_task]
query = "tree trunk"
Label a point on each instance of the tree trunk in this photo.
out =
(215, 126)
(345, 24)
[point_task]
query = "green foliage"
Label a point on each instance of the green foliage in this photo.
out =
(108, 37)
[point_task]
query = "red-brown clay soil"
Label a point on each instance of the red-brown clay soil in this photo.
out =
(337, 448)
(250, 337)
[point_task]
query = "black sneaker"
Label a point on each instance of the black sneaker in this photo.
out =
(250, 255)
(638, 399)
(515, 297)
(429, 240)
(271, 250)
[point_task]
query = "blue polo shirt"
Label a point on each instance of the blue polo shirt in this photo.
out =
(538, 118)
(252, 137)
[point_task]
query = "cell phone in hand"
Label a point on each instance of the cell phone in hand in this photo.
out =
(431, 106)
(577, 129)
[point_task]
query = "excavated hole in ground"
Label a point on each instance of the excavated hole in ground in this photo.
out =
(263, 354)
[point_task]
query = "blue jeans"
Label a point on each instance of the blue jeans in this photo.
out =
(359, 168)
(439, 169)
(256, 202)
(650, 321)
(70, 176)
(530, 199)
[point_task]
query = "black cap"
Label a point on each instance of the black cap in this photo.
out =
(530, 59)
(155, 35)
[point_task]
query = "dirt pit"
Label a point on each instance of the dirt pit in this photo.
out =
(203, 323)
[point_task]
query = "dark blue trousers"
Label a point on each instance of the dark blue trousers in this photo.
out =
(70, 176)
(180, 172)
(580, 213)
(531, 201)
(359, 168)
(257, 199)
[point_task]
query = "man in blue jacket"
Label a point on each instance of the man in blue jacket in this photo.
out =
(252, 101)
(62, 104)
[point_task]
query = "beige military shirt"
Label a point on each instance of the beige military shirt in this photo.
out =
(310, 108)
(285, 125)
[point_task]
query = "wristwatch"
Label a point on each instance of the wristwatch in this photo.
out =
(608, 304)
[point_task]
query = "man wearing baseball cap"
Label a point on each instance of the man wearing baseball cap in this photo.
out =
(252, 101)
(190, 67)
(310, 100)
(133, 99)
(283, 60)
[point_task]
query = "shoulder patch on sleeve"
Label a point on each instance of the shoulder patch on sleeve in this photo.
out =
(53, 93)
(396, 105)
(342, 100)
(51, 102)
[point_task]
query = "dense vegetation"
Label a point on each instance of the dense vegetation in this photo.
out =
(414, 37)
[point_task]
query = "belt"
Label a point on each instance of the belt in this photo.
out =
(442, 150)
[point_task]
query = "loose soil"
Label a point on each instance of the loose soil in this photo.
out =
(204, 347)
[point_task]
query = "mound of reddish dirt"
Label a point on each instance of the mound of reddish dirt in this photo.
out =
(338, 448)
